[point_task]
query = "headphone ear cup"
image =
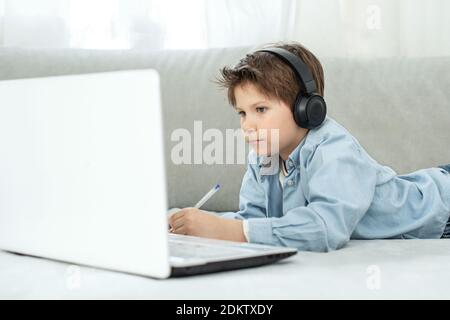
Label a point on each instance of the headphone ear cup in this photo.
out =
(316, 111)
(309, 112)
(299, 110)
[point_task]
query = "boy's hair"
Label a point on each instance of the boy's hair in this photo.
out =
(272, 76)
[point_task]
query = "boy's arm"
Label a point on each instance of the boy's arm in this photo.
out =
(252, 200)
(341, 184)
(226, 226)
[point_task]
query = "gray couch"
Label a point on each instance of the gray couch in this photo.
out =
(399, 109)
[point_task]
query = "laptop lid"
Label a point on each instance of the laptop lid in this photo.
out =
(82, 174)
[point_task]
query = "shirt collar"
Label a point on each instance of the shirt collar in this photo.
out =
(293, 160)
(266, 163)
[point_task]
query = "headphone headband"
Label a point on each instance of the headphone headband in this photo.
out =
(301, 69)
(309, 108)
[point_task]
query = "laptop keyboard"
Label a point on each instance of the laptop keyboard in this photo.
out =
(189, 247)
(189, 250)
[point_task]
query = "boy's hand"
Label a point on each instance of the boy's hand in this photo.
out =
(195, 222)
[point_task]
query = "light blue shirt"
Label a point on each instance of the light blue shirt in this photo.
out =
(334, 192)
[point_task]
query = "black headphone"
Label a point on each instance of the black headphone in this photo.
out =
(310, 108)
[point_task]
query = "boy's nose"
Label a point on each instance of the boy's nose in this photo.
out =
(249, 131)
(250, 134)
(247, 126)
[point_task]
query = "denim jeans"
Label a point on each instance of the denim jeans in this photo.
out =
(445, 167)
(446, 234)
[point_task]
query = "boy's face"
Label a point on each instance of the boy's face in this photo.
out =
(264, 119)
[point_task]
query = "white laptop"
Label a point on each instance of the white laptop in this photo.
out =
(82, 179)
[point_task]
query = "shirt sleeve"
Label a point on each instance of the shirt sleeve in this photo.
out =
(340, 188)
(252, 200)
(245, 229)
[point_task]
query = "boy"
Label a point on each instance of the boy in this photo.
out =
(327, 190)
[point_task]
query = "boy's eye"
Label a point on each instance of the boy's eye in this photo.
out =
(241, 113)
(261, 109)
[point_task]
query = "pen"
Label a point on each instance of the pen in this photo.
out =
(207, 196)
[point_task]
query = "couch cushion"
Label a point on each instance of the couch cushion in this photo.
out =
(399, 109)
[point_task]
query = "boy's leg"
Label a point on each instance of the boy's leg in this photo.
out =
(446, 234)
(445, 167)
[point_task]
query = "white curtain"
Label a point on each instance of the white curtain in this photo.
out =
(328, 27)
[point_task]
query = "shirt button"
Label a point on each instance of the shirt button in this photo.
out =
(290, 183)
(290, 163)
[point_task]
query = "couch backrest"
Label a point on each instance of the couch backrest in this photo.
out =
(399, 109)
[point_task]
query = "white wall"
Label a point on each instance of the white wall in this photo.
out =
(373, 28)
